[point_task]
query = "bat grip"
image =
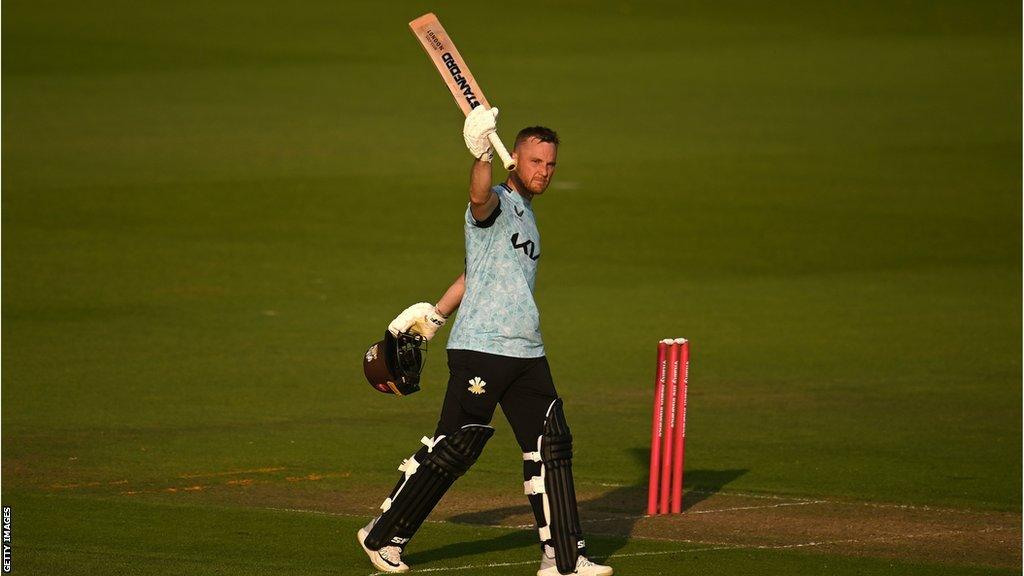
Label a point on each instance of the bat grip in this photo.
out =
(506, 159)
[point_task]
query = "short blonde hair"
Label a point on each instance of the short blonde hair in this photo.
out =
(539, 132)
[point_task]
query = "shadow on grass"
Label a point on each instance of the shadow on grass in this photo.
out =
(609, 517)
(703, 484)
(508, 541)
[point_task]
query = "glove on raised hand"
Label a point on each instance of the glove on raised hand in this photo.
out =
(479, 124)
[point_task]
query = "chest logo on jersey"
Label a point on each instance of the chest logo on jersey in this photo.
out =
(527, 246)
(519, 212)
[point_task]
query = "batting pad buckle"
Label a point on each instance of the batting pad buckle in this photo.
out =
(430, 442)
(534, 486)
(532, 456)
(409, 466)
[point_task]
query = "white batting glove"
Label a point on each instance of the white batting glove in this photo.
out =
(479, 124)
(428, 325)
(421, 318)
(409, 317)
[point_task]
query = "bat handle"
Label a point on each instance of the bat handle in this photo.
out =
(506, 159)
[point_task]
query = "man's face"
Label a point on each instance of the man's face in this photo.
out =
(535, 164)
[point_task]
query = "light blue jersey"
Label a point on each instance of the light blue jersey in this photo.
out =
(498, 314)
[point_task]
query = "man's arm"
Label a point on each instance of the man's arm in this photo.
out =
(425, 319)
(479, 124)
(452, 297)
(482, 200)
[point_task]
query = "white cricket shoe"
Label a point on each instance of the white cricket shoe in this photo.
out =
(584, 567)
(387, 559)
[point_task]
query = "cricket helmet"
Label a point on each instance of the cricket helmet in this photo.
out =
(394, 364)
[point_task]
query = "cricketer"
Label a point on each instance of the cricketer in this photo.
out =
(495, 356)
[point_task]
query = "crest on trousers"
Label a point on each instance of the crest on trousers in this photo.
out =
(476, 386)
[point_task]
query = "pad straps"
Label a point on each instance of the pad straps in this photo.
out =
(556, 487)
(427, 475)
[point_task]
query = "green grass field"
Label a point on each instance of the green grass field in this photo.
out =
(210, 210)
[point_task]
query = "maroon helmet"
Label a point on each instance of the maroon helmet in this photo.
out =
(394, 364)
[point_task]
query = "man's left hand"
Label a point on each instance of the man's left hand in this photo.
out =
(422, 318)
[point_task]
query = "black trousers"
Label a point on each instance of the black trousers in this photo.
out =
(478, 382)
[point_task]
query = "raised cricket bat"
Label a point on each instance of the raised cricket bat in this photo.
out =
(455, 73)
